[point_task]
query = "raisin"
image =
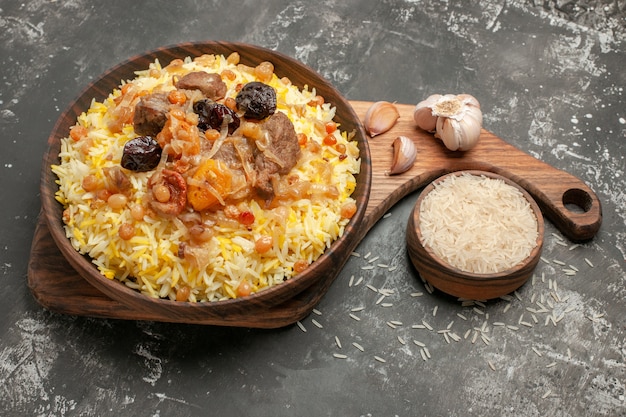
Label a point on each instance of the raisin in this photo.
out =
(257, 100)
(141, 154)
(211, 116)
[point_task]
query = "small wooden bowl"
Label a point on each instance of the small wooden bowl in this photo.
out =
(250, 311)
(456, 282)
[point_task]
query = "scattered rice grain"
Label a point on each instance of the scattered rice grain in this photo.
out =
(316, 323)
(301, 326)
(358, 346)
(340, 356)
(379, 359)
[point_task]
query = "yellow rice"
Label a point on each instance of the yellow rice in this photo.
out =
(149, 261)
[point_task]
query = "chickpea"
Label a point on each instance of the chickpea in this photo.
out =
(137, 212)
(300, 266)
(117, 201)
(251, 130)
(244, 289)
(263, 244)
(90, 183)
(103, 194)
(126, 231)
(161, 193)
(231, 103)
(329, 140)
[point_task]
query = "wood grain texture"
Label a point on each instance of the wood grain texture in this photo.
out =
(375, 194)
(553, 189)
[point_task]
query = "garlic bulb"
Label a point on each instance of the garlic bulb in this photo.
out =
(456, 119)
(404, 155)
(380, 117)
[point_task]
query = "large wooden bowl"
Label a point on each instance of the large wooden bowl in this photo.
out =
(241, 311)
(454, 281)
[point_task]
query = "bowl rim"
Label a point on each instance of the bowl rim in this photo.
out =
(534, 255)
(52, 209)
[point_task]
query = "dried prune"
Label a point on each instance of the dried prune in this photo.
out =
(257, 100)
(141, 154)
(211, 116)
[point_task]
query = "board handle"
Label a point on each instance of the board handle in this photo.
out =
(564, 199)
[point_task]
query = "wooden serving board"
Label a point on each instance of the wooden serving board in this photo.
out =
(59, 288)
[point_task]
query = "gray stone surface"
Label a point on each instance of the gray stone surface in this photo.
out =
(550, 77)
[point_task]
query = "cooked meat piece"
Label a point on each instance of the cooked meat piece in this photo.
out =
(151, 114)
(228, 154)
(278, 155)
(211, 85)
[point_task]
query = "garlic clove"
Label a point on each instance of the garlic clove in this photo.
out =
(449, 131)
(404, 155)
(380, 117)
(423, 113)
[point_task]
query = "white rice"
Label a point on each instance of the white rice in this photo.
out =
(478, 224)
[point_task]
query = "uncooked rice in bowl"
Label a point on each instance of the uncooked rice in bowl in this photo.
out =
(244, 240)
